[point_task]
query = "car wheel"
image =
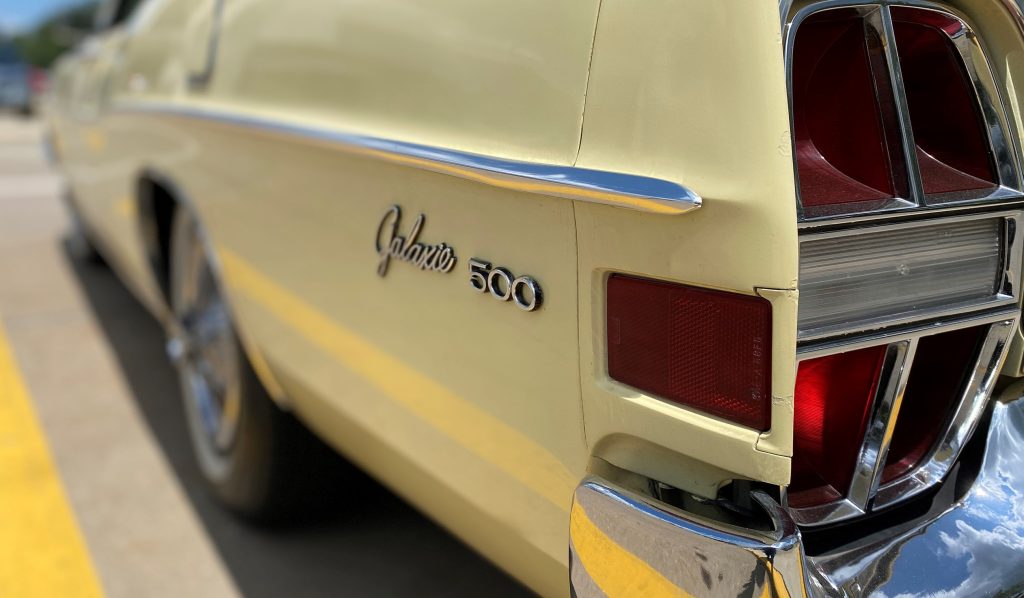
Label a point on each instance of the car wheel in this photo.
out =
(80, 242)
(258, 459)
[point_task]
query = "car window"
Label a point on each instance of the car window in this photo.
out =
(114, 12)
(125, 9)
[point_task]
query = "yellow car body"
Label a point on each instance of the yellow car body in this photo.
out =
(276, 124)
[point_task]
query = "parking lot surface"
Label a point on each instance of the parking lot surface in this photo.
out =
(98, 489)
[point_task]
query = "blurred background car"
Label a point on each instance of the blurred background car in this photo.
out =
(16, 79)
(33, 34)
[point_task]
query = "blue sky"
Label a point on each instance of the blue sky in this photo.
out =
(21, 14)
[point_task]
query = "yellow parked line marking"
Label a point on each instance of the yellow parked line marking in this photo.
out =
(618, 572)
(42, 553)
(472, 427)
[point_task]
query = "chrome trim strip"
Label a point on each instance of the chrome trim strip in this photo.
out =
(993, 108)
(631, 191)
(885, 337)
(1001, 198)
(867, 476)
(902, 110)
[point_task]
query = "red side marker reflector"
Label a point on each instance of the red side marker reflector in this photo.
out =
(704, 349)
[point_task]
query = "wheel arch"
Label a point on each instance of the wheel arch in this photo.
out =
(158, 200)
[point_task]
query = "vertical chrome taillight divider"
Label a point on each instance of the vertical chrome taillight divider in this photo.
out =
(916, 194)
(892, 383)
(886, 95)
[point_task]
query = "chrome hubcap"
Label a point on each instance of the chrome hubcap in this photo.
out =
(202, 345)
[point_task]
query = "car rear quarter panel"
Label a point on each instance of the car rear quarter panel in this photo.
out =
(694, 92)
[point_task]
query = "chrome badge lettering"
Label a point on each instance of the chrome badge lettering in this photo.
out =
(439, 258)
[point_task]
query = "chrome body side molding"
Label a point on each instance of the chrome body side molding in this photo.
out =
(631, 191)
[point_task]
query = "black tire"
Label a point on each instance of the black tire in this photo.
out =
(80, 243)
(272, 469)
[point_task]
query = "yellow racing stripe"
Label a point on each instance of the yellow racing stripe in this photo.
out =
(479, 432)
(618, 572)
(42, 553)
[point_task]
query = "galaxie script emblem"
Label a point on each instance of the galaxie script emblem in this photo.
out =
(439, 258)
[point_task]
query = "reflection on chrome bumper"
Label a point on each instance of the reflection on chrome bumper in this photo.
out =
(623, 544)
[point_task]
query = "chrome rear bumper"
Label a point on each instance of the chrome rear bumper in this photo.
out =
(624, 544)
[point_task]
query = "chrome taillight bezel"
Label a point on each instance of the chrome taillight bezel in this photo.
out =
(901, 334)
(867, 492)
(1003, 146)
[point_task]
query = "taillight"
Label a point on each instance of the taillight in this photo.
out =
(847, 141)
(936, 382)
(952, 148)
(832, 404)
(704, 349)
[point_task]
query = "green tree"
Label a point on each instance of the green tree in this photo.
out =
(56, 34)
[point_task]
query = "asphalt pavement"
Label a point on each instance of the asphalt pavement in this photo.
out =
(108, 410)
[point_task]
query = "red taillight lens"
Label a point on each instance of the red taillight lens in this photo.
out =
(941, 366)
(832, 403)
(847, 142)
(705, 349)
(952, 148)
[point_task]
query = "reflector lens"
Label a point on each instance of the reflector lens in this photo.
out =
(952, 147)
(832, 404)
(894, 272)
(843, 143)
(704, 349)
